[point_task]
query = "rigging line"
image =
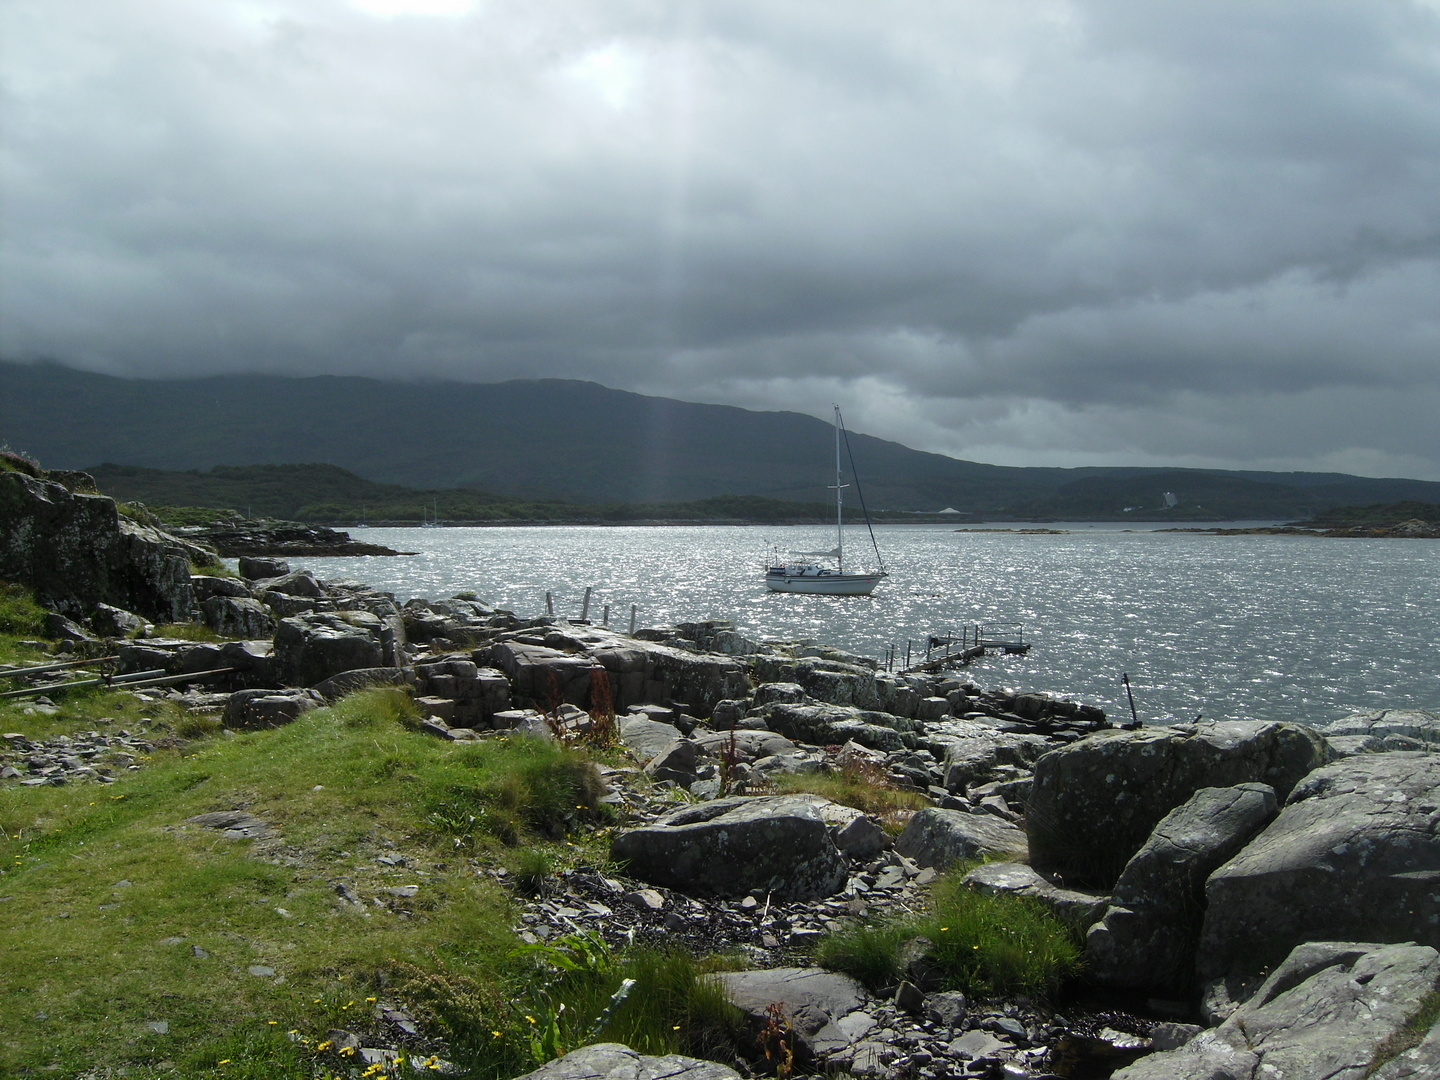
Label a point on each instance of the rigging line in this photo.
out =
(855, 479)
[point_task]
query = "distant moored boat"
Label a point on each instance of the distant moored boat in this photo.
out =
(821, 579)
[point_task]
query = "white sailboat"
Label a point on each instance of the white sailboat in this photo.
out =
(821, 579)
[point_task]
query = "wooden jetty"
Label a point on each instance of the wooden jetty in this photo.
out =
(949, 650)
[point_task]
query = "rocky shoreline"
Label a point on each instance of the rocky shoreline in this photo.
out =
(1265, 892)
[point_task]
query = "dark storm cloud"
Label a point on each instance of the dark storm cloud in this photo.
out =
(1111, 232)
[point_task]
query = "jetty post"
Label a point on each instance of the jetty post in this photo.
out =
(632, 620)
(585, 607)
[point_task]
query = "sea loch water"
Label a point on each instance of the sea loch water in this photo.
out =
(1228, 627)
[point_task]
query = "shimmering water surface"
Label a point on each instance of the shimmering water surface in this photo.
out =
(1232, 627)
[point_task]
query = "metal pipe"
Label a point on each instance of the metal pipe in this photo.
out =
(40, 669)
(37, 691)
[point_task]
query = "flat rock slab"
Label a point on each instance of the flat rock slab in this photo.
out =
(1325, 1012)
(940, 838)
(734, 847)
(647, 737)
(1354, 853)
(817, 1001)
(236, 824)
(1071, 906)
(615, 1061)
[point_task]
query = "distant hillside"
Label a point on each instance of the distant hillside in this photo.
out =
(575, 442)
(331, 495)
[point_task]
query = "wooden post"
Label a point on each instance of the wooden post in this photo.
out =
(549, 603)
(585, 607)
(606, 620)
(632, 620)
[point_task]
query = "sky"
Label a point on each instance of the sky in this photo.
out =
(1096, 232)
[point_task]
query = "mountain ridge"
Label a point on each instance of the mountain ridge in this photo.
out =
(580, 442)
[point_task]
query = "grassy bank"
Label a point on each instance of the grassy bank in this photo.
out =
(135, 939)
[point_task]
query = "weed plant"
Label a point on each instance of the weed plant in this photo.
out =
(576, 991)
(987, 946)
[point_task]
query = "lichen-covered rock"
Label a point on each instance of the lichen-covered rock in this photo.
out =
(737, 846)
(979, 759)
(941, 838)
(208, 585)
(1094, 803)
(251, 709)
(828, 725)
(76, 551)
(112, 622)
(1071, 906)
(311, 648)
(237, 617)
(1384, 731)
(615, 1061)
(1147, 936)
(1326, 1011)
(814, 1000)
(1355, 852)
(253, 568)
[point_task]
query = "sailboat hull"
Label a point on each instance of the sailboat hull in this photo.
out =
(824, 583)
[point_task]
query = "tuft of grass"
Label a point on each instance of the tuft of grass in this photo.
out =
(530, 867)
(865, 788)
(1410, 1036)
(987, 946)
(14, 461)
(20, 613)
(515, 786)
(189, 631)
(379, 706)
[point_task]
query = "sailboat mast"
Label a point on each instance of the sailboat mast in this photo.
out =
(839, 500)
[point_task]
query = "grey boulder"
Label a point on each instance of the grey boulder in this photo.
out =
(311, 648)
(237, 617)
(257, 569)
(1094, 803)
(738, 846)
(1325, 1012)
(1148, 934)
(615, 1061)
(814, 1000)
(941, 838)
(829, 725)
(113, 622)
(249, 710)
(1355, 852)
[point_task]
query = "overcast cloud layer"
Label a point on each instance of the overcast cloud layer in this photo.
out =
(1059, 233)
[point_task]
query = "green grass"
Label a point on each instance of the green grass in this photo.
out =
(343, 786)
(987, 946)
(1425, 1017)
(864, 788)
(20, 615)
(189, 632)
